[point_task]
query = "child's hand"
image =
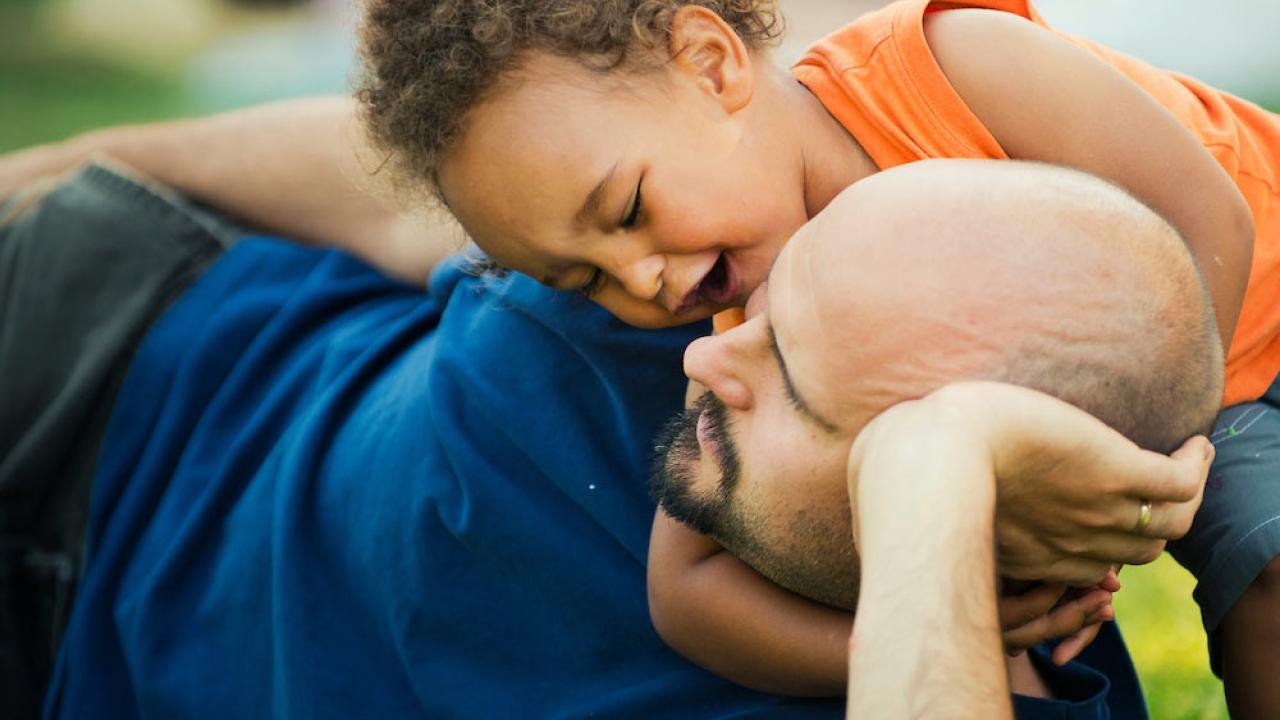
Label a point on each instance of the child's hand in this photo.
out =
(1050, 611)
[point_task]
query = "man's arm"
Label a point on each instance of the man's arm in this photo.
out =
(922, 482)
(926, 632)
(299, 168)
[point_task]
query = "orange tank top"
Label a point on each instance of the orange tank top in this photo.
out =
(878, 77)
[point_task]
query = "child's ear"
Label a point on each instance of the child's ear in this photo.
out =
(707, 50)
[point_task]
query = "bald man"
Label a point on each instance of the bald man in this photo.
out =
(1020, 273)
(292, 400)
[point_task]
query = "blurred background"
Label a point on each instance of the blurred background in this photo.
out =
(71, 65)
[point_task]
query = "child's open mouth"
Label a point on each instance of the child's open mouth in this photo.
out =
(717, 287)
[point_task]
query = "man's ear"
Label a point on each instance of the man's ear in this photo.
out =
(708, 51)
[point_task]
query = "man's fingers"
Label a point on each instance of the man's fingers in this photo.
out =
(1093, 563)
(1177, 478)
(1114, 547)
(1170, 521)
(1165, 520)
(1078, 571)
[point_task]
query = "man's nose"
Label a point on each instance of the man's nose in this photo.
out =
(642, 277)
(756, 301)
(722, 364)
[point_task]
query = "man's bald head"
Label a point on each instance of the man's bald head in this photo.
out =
(1020, 272)
(917, 277)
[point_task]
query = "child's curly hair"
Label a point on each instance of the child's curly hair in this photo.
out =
(427, 62)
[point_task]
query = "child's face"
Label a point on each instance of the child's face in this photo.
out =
(640, 189)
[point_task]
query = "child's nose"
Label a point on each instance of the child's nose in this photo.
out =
(719, 362)
(642, 278)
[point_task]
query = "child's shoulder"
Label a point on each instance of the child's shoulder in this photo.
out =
(901, 23)
(891, 76)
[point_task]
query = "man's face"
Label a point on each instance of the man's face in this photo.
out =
(871, 303)
(637, 187)
(758, 461)
(909, 280)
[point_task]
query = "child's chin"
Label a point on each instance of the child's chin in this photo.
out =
(663, 319)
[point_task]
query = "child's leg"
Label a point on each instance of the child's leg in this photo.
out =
(1232, 550)
(1250, 644)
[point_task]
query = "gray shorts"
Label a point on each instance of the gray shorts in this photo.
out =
(84, 271)
(1237, 530)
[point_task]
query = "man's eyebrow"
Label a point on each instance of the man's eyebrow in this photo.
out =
(792, 395)
(591, 205)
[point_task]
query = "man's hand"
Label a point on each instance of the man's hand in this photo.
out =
(20, 169)
(1071, 490)
(1065, 495)
(1045, 611)
(298, 168)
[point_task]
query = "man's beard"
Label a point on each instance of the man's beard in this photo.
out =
(675, 461)
(818, 559)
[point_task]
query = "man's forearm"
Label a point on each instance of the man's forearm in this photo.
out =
(298, 168)
(926, 628)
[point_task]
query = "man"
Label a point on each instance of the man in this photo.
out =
(1034, 275)
(324, 492)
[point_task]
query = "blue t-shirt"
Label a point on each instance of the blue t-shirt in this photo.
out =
(327, 494)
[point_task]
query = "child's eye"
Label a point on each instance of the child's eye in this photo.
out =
(593, 284)
(633, 213)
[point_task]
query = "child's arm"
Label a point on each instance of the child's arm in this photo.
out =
(1046, 99)
(715, 610)
(718, 612)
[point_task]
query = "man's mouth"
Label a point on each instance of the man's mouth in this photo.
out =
(695, 467)
(707, 436)
(714, 440)
(718, 287)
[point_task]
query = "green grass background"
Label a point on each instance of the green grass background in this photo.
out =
(49, 91)
(1161, 624)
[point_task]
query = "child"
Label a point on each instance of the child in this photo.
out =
(647, 155)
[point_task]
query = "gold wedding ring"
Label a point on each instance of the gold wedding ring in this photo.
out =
(1144, 517)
